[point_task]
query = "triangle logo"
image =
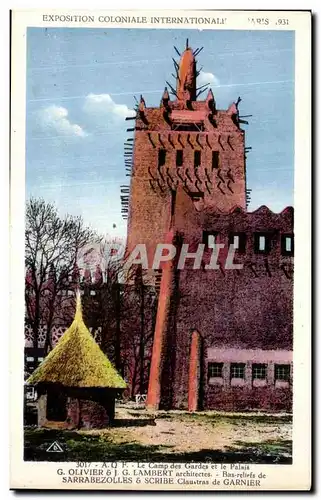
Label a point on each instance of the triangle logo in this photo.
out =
(55, 447)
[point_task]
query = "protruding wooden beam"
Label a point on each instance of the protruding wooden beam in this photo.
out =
(179, 174)
(169, 175)
(177, 51)
(175, 64)
(202, 86)
(219, 187)
(229, 175)
(207, 187)
(198, 141)
(189, 141)
(179, 140)
(160, 172)
(160, 186)
(229, 187)
(173, 91)
(188, 175)
(150, 139)
(197, 51)
(170, 141)
(229, 142)
(220, 143)
(152, 185)
(150, 173)
(199, 71)
(219, 176)
(160, 141)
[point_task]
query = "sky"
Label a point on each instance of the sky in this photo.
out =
(81, 84)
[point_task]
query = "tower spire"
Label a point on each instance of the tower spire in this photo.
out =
(186, 76)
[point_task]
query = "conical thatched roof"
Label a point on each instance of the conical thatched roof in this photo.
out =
(77, 361)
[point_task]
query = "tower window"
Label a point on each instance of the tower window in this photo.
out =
(209, 238)
(197, 158)
(287, 244)
(237, 370)
(262, 243)
(215, 370)
(179, 157)
(259, 371)
(215, 159)
(282, 372)
(239, 241)
(196, 196)
(161, 157)
(191, 127)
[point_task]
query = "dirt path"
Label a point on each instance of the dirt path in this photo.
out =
(185, 433)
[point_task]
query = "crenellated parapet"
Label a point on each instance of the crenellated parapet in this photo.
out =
(184, 143)
(262, 241)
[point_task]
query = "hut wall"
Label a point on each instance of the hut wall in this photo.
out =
(73, 412)
(42, 410)
(91, 408)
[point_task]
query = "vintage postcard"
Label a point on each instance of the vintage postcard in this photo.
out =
(160, 250)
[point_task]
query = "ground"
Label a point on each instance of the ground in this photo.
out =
(139, 435)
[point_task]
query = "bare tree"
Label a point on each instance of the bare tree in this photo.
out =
(52, 245)
(119, 303)
(137, 331)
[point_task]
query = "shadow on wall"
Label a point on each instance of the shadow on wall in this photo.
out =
(133, 422)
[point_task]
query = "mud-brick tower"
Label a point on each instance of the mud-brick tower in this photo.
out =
(184, 142)
(188, 157)
(222, 337)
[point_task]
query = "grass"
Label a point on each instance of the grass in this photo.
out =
(270, 446)
(79, 446)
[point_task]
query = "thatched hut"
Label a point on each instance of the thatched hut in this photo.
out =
(76, 383)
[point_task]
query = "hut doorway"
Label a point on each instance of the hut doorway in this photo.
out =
(56, 405)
